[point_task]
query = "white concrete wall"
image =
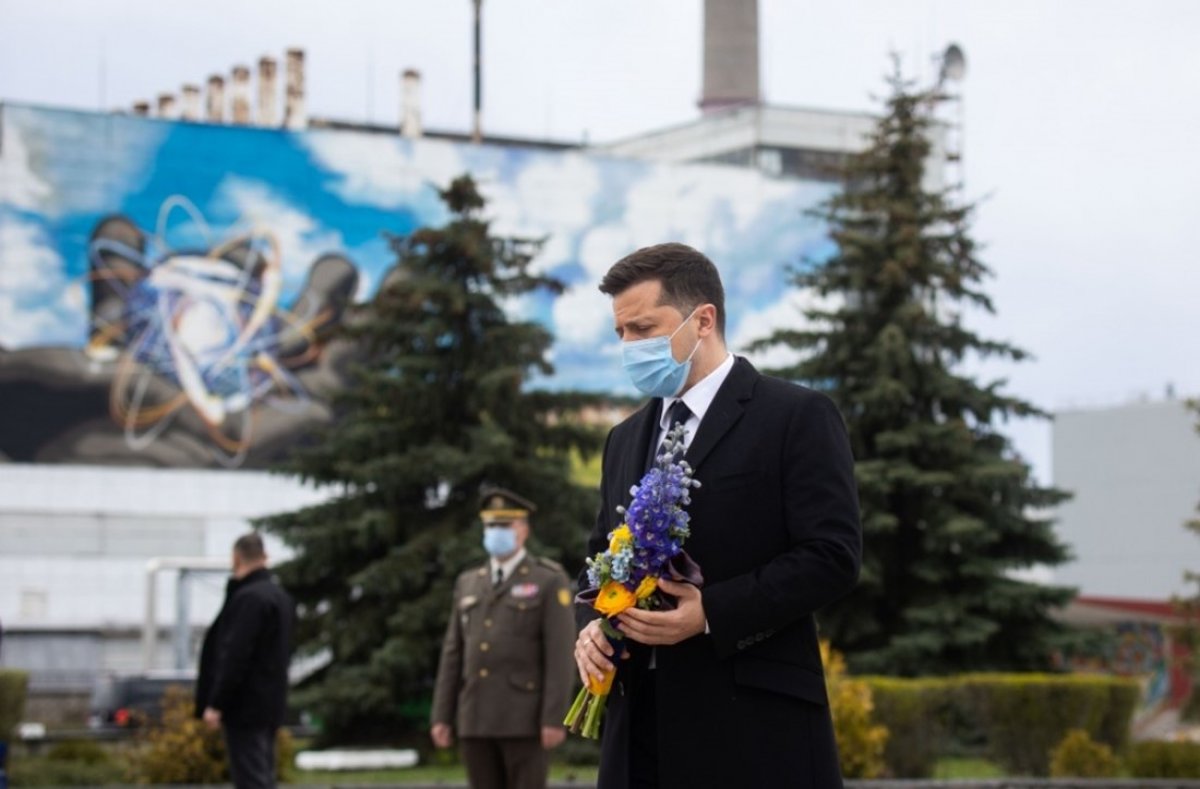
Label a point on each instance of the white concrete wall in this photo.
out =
(770, 126)
(745, 127)
(1135, 473)
(75, 540)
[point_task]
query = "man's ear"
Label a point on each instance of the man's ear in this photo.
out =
(707, 315)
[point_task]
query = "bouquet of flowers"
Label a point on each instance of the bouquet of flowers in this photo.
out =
(646, 545)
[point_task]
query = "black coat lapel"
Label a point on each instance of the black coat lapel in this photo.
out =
(645, 430)
(724, 412)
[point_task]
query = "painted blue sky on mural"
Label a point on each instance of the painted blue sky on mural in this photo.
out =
(323, 191)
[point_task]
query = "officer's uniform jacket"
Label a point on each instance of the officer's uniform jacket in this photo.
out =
(507, 667)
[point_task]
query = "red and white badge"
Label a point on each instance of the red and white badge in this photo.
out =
(525, 591)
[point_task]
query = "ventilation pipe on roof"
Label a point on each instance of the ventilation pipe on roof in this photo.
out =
(410, 103)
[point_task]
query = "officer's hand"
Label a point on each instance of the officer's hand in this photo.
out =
(552, 736)
(661, 628)
(212, 718)
(442, 735)
(593, 653)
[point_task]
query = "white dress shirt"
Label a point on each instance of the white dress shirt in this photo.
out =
(697, 399)
(506, 567)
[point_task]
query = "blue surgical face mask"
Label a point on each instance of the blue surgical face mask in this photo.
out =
(652, 367)
(499, 540)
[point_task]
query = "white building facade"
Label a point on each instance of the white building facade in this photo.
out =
(1134, 471)
(76, 544)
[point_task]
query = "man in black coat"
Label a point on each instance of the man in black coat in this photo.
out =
(243, 681)
(728, 688)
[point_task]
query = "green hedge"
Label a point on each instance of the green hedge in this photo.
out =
(1164, 760)
(68, 763)
(43, 771)
(915, 712)
(12, 700)
(1019, 717)
(1026, 715)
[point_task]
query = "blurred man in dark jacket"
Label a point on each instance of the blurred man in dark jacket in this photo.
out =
(243, 681)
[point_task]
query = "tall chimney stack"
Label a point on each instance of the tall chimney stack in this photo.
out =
(294, 115)
(191, 103)
(214, 107)
(166, 106)
(267, 103)
(730, 54)
(240, 96)
(477, 111)
(410, 106)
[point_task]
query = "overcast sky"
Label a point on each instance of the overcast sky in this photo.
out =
(1081, 124)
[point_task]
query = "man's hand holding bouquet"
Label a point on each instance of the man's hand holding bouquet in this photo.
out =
(644, 568)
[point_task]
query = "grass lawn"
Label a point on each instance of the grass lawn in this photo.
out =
(966, 768)
(426, 774)
(946, 768)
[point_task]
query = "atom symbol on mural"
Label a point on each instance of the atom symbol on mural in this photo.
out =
(198, 330)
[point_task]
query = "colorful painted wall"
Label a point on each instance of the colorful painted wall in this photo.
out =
(167, 289)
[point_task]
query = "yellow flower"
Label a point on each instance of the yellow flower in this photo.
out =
(613, 599)
(620, 537)
(646, 587)
(601, 687)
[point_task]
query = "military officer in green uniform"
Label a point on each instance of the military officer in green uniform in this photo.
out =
(506, 671)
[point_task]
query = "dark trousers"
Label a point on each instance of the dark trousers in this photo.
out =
(643, 733)
(251, 757)
(505, 762)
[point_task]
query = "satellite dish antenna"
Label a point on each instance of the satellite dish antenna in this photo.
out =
(954, 64)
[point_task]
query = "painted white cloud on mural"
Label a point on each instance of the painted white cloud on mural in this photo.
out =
(701, 206)
(602, 246)
(29, 264)
(549, 192)
(552, 197)
(301, 238)
(786, 313)
(38, 304)
(54, 187)
(385, 171)
(583, 315)
(19, 186)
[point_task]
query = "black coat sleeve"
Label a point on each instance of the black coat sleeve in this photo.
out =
(824, 536)
(247, 617)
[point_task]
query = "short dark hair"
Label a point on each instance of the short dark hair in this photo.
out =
(688, 278)
(250, 547)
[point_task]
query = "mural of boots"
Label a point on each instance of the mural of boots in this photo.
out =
(192, 359)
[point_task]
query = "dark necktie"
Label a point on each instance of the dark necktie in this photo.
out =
(499, 578)
(677, 414)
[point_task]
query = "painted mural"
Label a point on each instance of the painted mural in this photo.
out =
(1146, 651)
(168, 290)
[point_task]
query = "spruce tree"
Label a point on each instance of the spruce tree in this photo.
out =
(949, 511)
(439, 406)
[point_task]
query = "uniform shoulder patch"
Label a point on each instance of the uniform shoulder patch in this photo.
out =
(550, 564)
